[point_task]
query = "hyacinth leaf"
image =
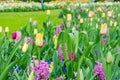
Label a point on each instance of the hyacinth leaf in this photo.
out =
(115, 67)
(76, 40)
(88, 63)
(55, 61)
(70, 70)
(13, 51)
(26, 58)
(3, 76)
(93, 77)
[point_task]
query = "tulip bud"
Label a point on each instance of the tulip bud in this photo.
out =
(115, 24)
(81, 20)
(48, 12)
(6, 29)
(96, 26)
(103, 28)
(35, 31)
(39, 39)
(30, 20)
(25, 47)
(103, 15)
(69, 17)
(81, 75)
(55, 41)
(109, 57)
(0, 29)
(31, 76)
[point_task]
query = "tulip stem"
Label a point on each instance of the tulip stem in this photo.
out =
(109, 72)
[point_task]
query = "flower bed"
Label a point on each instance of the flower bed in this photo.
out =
(84, 47)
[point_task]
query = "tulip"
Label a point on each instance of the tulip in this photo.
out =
(16, 36)
(25, 47)
(0, 29)
(35, 31)
(31, 76)
(6, 29)
(30, 20)
(103, 15)
(115, 24)
(48, 12)
(69, 17)
(55, 40)
(39, 39)
(81, 75)
(104, 41)
(51, 67)
(91, 14)
(109, 13)
(103, 29)
(81, 20)
(109, 57)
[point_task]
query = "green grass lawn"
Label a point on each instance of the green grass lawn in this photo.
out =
(16, 19)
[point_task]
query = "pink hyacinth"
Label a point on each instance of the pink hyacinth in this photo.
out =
(72, 56)
(99, 71)
(16, 36)
(58, 30)
(60, 53)
(29, 39)
(42, 71)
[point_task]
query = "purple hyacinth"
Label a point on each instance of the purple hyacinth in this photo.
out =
(58, 30)
(35, 23)
(79, 17)
(60, 53)
(69, 24)
(29, 39)
(99, 71)
(42, 71)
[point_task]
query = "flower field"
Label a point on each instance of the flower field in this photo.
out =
(85, 46)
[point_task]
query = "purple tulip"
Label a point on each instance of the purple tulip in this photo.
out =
(72, 56)
(29, 39)
(16, 36)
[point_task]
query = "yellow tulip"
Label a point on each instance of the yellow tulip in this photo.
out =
(31, 76)
(109, 57)
(48, 12)
(99, 9)
(0, 29)
(6, 29)
(35, 31)
(39, 39)
(51, 67)
(103, 15)
(109, 13)
(81, 20)
(81, 75)
(55, 40)
(103, 28)
(115, 24)
(25, 47)
(69, 17)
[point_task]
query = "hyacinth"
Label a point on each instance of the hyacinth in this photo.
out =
(29, 39)
(72, 56)
(99, 71)
(35, 23)
(60, 53)
(58, 30)
(16, 36)
(68, 24)
(42, 71)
